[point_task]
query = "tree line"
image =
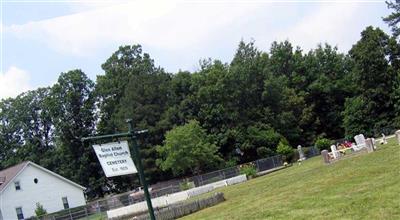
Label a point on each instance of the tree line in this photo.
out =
(218, 116)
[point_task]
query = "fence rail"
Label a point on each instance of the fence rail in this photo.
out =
(168, 187)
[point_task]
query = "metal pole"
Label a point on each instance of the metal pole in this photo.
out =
(140, 169)
(273, 162)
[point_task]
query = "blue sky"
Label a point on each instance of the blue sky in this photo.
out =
(41, 39)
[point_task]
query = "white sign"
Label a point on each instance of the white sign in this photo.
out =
(115, 158)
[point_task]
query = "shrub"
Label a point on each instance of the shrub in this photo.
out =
(39, 211)
(285, 150)
(323, 143)
(188, 148)
(248, 169)
(231, 162)
(186, 185)
(264, 152)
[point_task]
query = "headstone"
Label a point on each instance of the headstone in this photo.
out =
(301, 153)
(369, 145)
(374, 143)
(384, 140)
(360, 140)
(325, 156)
(335, 152)
(398, 136)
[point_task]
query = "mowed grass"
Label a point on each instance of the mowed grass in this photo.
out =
(366, 186)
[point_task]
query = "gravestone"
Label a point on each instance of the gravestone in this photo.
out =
(369, 145)
(335, 152)
(398, 136)
(325, 156)
(374, 143)
(360, 140)
(384, 140)
(301, 153)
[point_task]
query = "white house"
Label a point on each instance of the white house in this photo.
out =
(25, 184)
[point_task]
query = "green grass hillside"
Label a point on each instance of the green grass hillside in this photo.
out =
(366, 186)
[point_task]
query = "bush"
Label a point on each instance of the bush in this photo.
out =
(188, 148)
(186, 185)
(263, 152)
(230, 162)
(248, 169)
(285, 150)
(323, 144)
(39, 211)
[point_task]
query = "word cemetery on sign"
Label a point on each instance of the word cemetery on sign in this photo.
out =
(115, 158)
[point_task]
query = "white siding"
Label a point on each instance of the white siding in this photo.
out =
(48, 192)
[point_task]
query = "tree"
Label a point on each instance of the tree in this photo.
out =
(133, 87)
(393, 19)
(188, 148)
(10, 138)
(144, 101)
(27, 129)
(328, 84)
(284, 149)
(73, 113)
(283, 108)
(323, 143)
(40, 211)
(374, 81)
(356, 119)
(126, 62)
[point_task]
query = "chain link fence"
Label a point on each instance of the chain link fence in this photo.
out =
(97, 209)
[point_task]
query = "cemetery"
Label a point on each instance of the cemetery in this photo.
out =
(140, 110)
(348, 148)
(182, 203)
(365, 185)
(346, 168)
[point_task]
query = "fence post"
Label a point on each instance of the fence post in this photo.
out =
(70, 216)
(273, 161)
(86, 213)
(222, 174)
(258, 166)
(97, 206)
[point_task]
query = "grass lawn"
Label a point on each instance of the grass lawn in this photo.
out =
(366, 186)
(97, 216)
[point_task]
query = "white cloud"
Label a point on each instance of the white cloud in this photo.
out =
(337, 24)
(85, 5)
(191, 26)
(161, 24)
(13, 82)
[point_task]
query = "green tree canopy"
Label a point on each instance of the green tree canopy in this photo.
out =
(374, 83)
(394, 18)
(188, 149)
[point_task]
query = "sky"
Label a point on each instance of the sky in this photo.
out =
(41, 38)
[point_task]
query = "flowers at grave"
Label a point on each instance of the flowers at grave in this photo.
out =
(248, 169)
(347, 144)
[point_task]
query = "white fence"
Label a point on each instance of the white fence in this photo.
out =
(173, 198)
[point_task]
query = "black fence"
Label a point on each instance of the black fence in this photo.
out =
(99, 207)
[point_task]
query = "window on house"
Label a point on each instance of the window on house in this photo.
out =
(20, 215)
(65, 202)
(17, 186)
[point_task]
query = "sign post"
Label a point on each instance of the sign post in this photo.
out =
(115, 159)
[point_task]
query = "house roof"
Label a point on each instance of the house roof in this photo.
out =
(9, 174)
